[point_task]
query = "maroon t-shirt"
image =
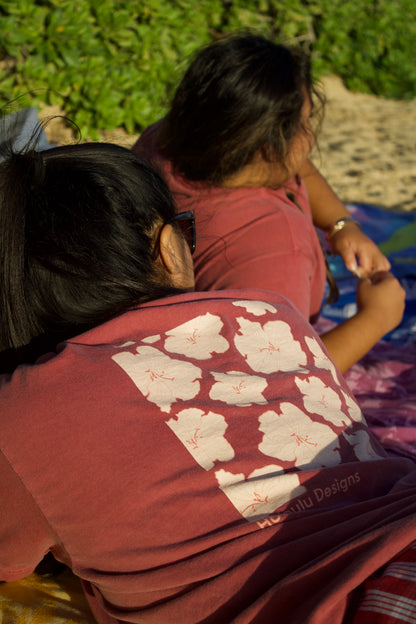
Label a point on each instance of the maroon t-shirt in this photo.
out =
(250, 237)
(199, 459)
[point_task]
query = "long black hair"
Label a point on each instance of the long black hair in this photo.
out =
(240, 94)
(77, 229)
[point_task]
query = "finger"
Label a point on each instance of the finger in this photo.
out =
(372, 260)
(381, 276)
(364, 262)
(350, 260)
(381, 262)
(377, 260)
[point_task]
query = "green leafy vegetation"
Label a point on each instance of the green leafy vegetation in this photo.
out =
(111, 63)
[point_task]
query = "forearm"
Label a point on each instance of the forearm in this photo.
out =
(326, 207)
(351, 340)
(360, 254)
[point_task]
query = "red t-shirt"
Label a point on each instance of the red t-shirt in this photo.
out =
(199, 459)
(251, 237)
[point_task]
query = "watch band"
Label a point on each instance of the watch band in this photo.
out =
(339, 225)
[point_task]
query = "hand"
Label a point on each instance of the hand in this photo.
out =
(380, 302)
(382, 299)
(360, 254)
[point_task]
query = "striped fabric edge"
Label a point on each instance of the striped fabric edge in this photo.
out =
(394, 605)
(402, 569)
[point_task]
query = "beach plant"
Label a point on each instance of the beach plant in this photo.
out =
(368, 43)
(107, 63)
(115, 63)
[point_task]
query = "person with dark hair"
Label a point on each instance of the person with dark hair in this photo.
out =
(192, 457)
(79, 255)
(234, 147)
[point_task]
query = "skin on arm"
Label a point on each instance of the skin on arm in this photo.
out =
(380, 302)
(325, 204)
(380, 298)
(360, 254)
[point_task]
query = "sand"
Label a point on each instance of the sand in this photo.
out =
(367, 146)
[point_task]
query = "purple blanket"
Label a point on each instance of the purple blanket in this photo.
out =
(384, 381)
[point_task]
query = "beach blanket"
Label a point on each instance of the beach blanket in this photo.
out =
(384, 381)
(390, 597)
(40, 600)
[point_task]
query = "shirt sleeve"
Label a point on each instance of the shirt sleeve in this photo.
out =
(25, 536)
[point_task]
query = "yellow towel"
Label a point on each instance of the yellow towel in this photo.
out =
(37, 600)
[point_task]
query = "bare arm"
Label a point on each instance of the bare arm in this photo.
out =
(360, 254)
(326, 206)
(380, 302)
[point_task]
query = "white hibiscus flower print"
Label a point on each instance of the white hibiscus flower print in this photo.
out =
(203, 435)
(151, 339)
(292, 436)
(269, 348)
(256, 308)
(361, 443)
(353, 410)
(323, 400)
(262, 493)
(237, 388)
(321, 360)
(198, 338)
(160, 378)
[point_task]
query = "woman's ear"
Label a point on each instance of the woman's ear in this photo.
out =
(168, 249)
(176, 258)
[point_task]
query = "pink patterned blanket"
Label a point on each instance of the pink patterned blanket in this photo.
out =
(384, 382)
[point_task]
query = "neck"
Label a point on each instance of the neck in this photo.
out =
(258, 172)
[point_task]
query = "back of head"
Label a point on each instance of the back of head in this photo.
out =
(240, 94)
(76, 240)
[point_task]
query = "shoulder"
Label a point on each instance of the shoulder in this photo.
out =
(227, 304)
(254, 211)
(147, 144)
(289, 201)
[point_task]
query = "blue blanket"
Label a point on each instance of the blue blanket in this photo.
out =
(384, 381)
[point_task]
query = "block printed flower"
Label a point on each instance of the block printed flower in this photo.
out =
(323, 400)
(321, 360)
(198, 338)
(361, 443)
(262, 493)
(151, 339)
(256, 308)
(269, 348)
(160, 378)
(353, 410)
(203, 435)
(237, 388)
(292, 436)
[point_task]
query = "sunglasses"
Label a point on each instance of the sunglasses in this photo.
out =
(186, 222)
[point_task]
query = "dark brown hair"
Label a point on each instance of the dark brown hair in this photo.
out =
(241, 94)
(76, 240)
